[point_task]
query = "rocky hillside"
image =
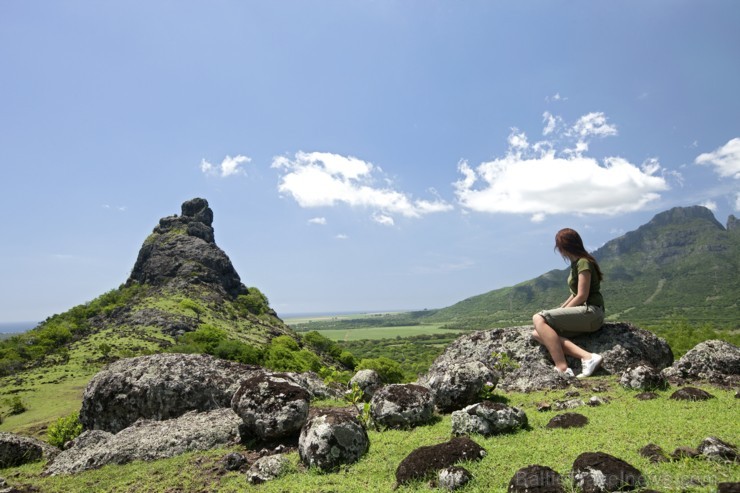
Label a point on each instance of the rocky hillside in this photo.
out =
(183, 291)
(681, 264)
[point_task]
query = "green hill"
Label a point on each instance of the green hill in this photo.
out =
(683, 265)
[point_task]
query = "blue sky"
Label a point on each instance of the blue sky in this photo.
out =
(364, 155)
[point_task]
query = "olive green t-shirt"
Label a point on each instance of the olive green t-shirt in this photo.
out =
(594, 293)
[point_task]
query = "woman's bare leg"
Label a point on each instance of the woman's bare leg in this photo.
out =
(572, 349)
(551, 340)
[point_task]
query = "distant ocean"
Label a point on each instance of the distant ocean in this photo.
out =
(16, 327)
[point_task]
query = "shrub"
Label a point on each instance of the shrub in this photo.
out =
(388, 370)
(17, 406)
(255, 302)
(64, 429)
(321, 343)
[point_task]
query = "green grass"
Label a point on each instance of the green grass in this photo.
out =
(620, 428)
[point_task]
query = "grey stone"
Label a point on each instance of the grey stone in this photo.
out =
(368, 382)
(488, 418)
(455, 385)
(16, 450)
(714, 448)
(597, 472)
(148, 440)
(268, 468)
(233, 461)
(315, 385)
(536, 479)
(159, 387)
(569, 404)
(402, 406)
(453, 478)
(622, 346)
(423, 461)
(271, 405)
(643, 377)
(714, 361)
(331, 439)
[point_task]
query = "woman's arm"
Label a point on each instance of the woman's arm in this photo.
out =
(565, 303)
(584, 287)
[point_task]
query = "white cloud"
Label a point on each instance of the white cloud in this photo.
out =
(341, 236)
(317, 220)
(321, 179)
(737, 202)
(710, 204)
(551, 123)
(229, 166)
(726, 159)
(383, 219)
(556, 97)
(537, 180)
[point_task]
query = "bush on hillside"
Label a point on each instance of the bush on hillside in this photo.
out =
(64, 429)
(388, 370)
(255, 302)
(322, 344)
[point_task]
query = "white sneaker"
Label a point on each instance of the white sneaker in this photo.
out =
(590, 366)
(568, 373)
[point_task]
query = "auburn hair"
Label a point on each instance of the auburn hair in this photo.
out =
(569, 243)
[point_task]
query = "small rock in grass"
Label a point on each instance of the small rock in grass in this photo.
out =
(685, 453)
(267, 468)
(536, 479)
(653, 453)
(233, 461)
(691, 394)
(426, 460)
(568, 420)
(714, 448)
(646, 396)
(544, 406)
(597, 472)
(453, 478)
(570, 404)
(596, 401)
(728, 488)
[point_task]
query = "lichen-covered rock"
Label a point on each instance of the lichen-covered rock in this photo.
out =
(568, 404)
(458, 384)
(713, 361)
(315, 385)
(643, 377)
(622, 346)
(368, 381)
(332, 438)
(233, 461)
(271, 405)
(149, 440)
(567, 420)
(402, 406)
(691, 394)
(158, 387)
(488, 418)
(268, 468)
(453, 478)
(536, 479)
(16, 450)
(714, 448)
(597, 472)
(426, 460)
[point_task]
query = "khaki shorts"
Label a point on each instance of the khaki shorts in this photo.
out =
(574, 320)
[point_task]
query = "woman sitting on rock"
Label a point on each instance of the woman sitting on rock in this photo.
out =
(581, 313)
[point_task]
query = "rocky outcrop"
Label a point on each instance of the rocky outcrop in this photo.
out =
(622, 346)
(158, 387)
(488, 418)
(597, 472)
(332, 438)
(458, 384)
(643, 377)
(181, 252)
(272, 406)
(16, 450)
(402, 406)
(426, 460)
(148, 440)
(714, 361)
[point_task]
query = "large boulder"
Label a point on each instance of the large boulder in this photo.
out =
(368, 381)
(271, 405)
(488, 418)
(713, 361)
(16, 450)
(458, 384)
(622, 345)
(148, 440)
(426, 460)
(158, 387)
(332, 438)
(402, 406)
(536, 479)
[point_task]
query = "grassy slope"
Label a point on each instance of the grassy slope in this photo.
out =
(620, 428)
